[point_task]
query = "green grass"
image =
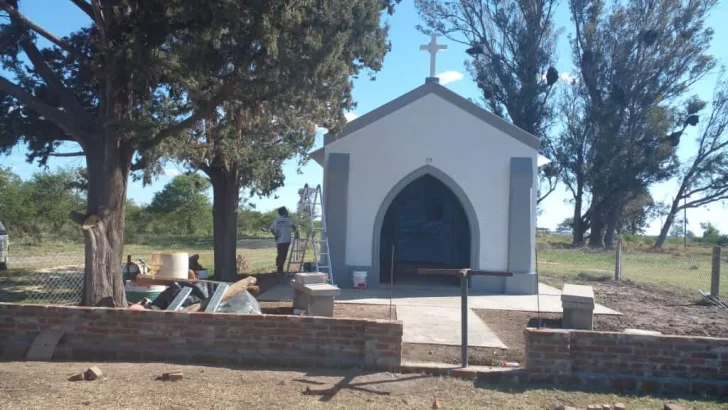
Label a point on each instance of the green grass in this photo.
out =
(689, 268)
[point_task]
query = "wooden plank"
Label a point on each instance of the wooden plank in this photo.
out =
(44, 345)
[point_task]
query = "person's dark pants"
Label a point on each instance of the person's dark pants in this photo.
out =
(282, 253)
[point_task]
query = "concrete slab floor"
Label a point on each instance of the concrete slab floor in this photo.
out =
(549, 300)
(441, 326)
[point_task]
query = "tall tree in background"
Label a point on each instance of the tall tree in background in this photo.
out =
(145, 70)
(513, 45)
(184, 199)
(635, 60)
(243, 143)
(703, 178)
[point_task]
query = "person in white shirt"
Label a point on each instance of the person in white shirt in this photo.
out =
(281, 229)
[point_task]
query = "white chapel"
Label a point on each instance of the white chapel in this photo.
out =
(431, 180)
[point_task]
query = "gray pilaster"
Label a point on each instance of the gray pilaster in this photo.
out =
(337, 194)
(520, 229)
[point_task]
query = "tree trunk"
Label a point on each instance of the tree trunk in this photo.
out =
(108, 162)
(225, 203)
(669, 220)
(611, 228)
(596, 236)
(577, 230)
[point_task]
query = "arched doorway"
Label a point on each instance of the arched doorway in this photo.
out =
(429, 228)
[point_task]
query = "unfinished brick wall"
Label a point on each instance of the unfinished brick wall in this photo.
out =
(97, 334)
(629, 362)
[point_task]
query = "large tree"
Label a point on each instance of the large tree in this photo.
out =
(703, 178)
(513, 49)
(244, 143)
(636, 59)
(144, 70)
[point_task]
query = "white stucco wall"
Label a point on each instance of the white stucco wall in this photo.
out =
(474, 154)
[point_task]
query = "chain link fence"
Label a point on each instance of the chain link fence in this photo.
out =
(689, 268)
(37, 276)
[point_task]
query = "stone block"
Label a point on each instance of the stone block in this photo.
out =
(576, 305)
(305, 278)
(578, 319)
(320, 306)
(577, 293)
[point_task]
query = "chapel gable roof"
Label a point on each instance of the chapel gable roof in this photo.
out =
(420, 92)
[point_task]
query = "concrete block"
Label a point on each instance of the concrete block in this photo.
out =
(577, 293)
(320, 306)
(578, 319)
(311, 277)
(320, 289)
(575, 305)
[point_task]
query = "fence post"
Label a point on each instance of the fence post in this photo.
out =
(715, 275)
(618, 261)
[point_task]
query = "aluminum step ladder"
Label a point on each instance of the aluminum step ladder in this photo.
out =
(311, 208)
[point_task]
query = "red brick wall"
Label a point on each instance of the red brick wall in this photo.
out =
(226, 339)
(634, 362)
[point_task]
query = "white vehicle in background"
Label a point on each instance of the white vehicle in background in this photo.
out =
(4, 245)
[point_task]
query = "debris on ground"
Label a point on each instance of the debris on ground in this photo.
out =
(673, 406)
(171, 376)
(436, 404)
(92, 373)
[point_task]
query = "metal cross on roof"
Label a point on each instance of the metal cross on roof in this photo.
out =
(433, 48)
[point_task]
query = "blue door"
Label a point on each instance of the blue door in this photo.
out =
(427, 225)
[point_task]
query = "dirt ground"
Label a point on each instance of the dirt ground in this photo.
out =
(668, 310)
(26, 385)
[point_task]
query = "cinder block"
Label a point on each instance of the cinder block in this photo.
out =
(320, 306)
(578, 319)
(306, 278)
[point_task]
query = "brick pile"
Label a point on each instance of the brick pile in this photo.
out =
(100, 334)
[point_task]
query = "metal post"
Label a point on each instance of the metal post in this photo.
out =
(618, 262)
(715, 274)
(464, 318)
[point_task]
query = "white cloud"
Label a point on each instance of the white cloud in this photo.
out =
(350, 116)
(448, 77)
(172, 172)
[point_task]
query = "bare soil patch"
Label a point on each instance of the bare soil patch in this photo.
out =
(133, 386)
(672, 311)
(341, 310)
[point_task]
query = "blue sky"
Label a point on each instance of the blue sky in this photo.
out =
(405, 68)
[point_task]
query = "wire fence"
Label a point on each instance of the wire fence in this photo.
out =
(56, 277)
(689, 269)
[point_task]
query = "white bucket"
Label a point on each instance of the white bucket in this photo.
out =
(360, 279)
(171, 265)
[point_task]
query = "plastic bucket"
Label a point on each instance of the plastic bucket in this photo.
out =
(136, 293)
(360, 279)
